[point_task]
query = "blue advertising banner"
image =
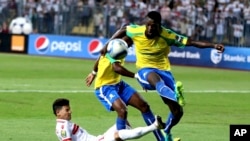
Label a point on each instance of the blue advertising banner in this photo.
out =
(89, 48)
(68, 46)
(232, 58)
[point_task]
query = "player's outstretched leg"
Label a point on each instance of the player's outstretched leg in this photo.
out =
(167, 133)
(158, 122)
(149, 119)
(173, 118)
(141, 131)
(180, 93)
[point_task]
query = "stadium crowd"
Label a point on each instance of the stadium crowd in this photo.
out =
(223, 21)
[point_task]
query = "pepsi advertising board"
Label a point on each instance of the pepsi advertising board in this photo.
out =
(68, 46)
(64, 46)
(232, 58)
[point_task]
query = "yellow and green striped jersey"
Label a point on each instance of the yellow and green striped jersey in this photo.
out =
(106, 74)
(153, 53)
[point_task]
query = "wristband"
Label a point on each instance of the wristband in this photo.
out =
(93, 72)
(136, 75)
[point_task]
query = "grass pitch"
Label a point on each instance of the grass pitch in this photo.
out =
(29, 84)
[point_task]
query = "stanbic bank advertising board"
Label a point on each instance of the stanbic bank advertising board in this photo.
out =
(232, 58)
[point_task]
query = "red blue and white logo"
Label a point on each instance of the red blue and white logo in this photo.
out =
(94, 47)
(42, 44)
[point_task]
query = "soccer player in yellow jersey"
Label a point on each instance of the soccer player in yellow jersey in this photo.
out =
(115, 94)
(152, 45)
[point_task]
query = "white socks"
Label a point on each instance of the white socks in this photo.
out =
(136, 132)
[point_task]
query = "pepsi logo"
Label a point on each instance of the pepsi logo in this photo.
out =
(42, 44)
(94, 47)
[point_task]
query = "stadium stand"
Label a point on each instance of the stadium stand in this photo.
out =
(226, 21)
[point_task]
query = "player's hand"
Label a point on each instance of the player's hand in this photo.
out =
(89, 79)
(219, 47)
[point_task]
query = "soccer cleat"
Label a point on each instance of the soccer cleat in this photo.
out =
(169, 137)
(180, 92)
(158, 122)
(177, 139)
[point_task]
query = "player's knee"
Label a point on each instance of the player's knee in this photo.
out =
(178, 112)
(153, 78)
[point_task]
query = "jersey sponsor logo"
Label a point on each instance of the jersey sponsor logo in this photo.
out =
(215, 56)
(63, 133)
(42, 44)
(94, 47)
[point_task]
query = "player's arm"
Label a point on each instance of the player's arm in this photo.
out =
(118, 68)
(91, 76)
(121, 33)
(203, 44)
(181, 41)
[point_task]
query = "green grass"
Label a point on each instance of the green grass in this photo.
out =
(29, 84)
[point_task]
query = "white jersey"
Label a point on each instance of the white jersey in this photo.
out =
(68, 130)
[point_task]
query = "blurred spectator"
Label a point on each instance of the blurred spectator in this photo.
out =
(166, 14)
(112, 24)
(98, 21)
(247, 24)
(12, 5)
(238, 32)
(183, 26)
(39, 9)
(86, 14)
(190, 29)
(210, 31)
(220, 26)
(210, 20)
(4, 28)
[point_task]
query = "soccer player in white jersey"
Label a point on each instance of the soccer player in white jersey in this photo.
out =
(69, 131)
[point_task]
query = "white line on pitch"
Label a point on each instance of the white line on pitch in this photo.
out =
(89, 91)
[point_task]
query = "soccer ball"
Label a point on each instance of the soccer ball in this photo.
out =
(117, 48)
(20, 25)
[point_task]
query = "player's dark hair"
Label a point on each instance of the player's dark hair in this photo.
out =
(155, 16)
(59, 103)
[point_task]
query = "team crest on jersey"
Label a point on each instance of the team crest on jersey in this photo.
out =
(63, 133)
(179, 38)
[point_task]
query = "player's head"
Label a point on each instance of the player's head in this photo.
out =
(61, 108)
(153, 24)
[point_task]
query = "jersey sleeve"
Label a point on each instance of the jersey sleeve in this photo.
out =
(132, 30)
(174, 38)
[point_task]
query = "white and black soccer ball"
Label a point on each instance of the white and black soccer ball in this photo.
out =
(117, 48)
(20, 25)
